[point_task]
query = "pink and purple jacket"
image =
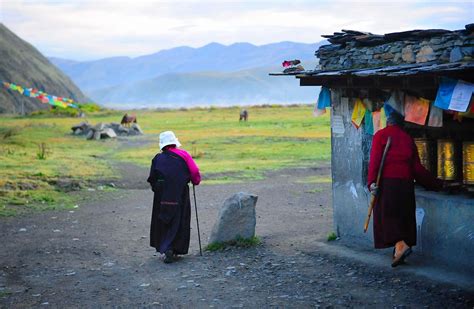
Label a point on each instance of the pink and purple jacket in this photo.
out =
(192, 166)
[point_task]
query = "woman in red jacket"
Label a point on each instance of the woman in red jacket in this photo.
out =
(394, 212)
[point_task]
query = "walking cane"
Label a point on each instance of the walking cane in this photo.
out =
(197, 221)
(379, 175)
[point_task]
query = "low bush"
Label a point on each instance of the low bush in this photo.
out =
(238, 242)
(6, 133)
(332, 236)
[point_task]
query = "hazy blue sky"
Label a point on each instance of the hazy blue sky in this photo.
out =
(91, 29)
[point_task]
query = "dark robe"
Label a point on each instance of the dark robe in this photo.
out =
(394, 211)
(171, 215)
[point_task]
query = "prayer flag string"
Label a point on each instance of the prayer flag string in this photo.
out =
(42, 96)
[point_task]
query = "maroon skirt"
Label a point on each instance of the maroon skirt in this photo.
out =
(394, 213)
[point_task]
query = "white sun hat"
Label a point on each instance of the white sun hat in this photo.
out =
(168, 138)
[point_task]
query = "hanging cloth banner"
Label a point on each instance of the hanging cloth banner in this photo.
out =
(376, 121)
(358, 113)
(368, 123)
(379, 120)
(454, 95)
(416, 109)
(396, 102)
(324, 100)
(436, 117)
(383, 118)
(388, 109)
(470, 111)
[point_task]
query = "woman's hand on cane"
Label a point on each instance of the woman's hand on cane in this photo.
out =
(373, 188)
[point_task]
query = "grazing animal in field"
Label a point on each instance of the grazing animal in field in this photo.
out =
(127, 120)
(243, 115)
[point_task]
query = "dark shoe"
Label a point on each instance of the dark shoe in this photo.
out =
(168, 256)
(401, 259)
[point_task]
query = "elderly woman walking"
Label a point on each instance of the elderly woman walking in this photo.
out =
(171, 171)
(394, 211)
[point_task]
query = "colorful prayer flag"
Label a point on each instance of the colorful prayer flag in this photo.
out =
(368, 122)
(43, 99)
(436, 117)
(379, 120)
(358, 113)
(416, 109)
(383, 118)
(40, 95)
(454, 95)
(396, 102)
(376, 121)
(324, 100)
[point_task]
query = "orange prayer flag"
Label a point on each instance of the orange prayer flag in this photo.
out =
(379, 119)
(416, 109)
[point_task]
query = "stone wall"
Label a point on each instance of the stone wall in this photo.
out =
(446, 227)
(352, 49)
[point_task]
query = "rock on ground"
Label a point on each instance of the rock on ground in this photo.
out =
(108, 130)
(236, 218)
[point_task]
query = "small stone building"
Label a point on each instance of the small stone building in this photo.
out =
(359, 65)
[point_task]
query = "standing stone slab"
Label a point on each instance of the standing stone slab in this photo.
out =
(236, 218)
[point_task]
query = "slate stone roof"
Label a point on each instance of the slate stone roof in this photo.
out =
(369, 39)
(416, 52)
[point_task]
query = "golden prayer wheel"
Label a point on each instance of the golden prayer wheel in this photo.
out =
(424, 151)
(468, 162)
(446, 160)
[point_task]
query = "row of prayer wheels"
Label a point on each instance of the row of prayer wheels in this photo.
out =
(447, 166)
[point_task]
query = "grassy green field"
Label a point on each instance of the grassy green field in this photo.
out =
(38, 154)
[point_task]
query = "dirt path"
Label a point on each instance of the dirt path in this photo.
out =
(98, 255)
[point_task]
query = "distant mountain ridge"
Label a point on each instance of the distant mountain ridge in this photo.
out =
(214, 74)
(22, 64)
(213, 57)
(244, 87)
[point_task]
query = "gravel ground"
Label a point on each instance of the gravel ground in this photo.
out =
(97, 255)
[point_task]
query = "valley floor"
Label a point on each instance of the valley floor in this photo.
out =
(97, 255)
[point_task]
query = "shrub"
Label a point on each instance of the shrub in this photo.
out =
(68, 111)
(90, 107)
(332, 236)
(239, 242)
(42, 151)
(6, 133)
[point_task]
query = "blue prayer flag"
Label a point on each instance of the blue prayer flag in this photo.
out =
(388, 109)
(324, 99)
(445, 92)
(368, 123)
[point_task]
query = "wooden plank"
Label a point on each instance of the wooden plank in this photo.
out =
(372, 82)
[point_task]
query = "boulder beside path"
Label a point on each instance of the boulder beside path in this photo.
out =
(236, 218)
(105, 130)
